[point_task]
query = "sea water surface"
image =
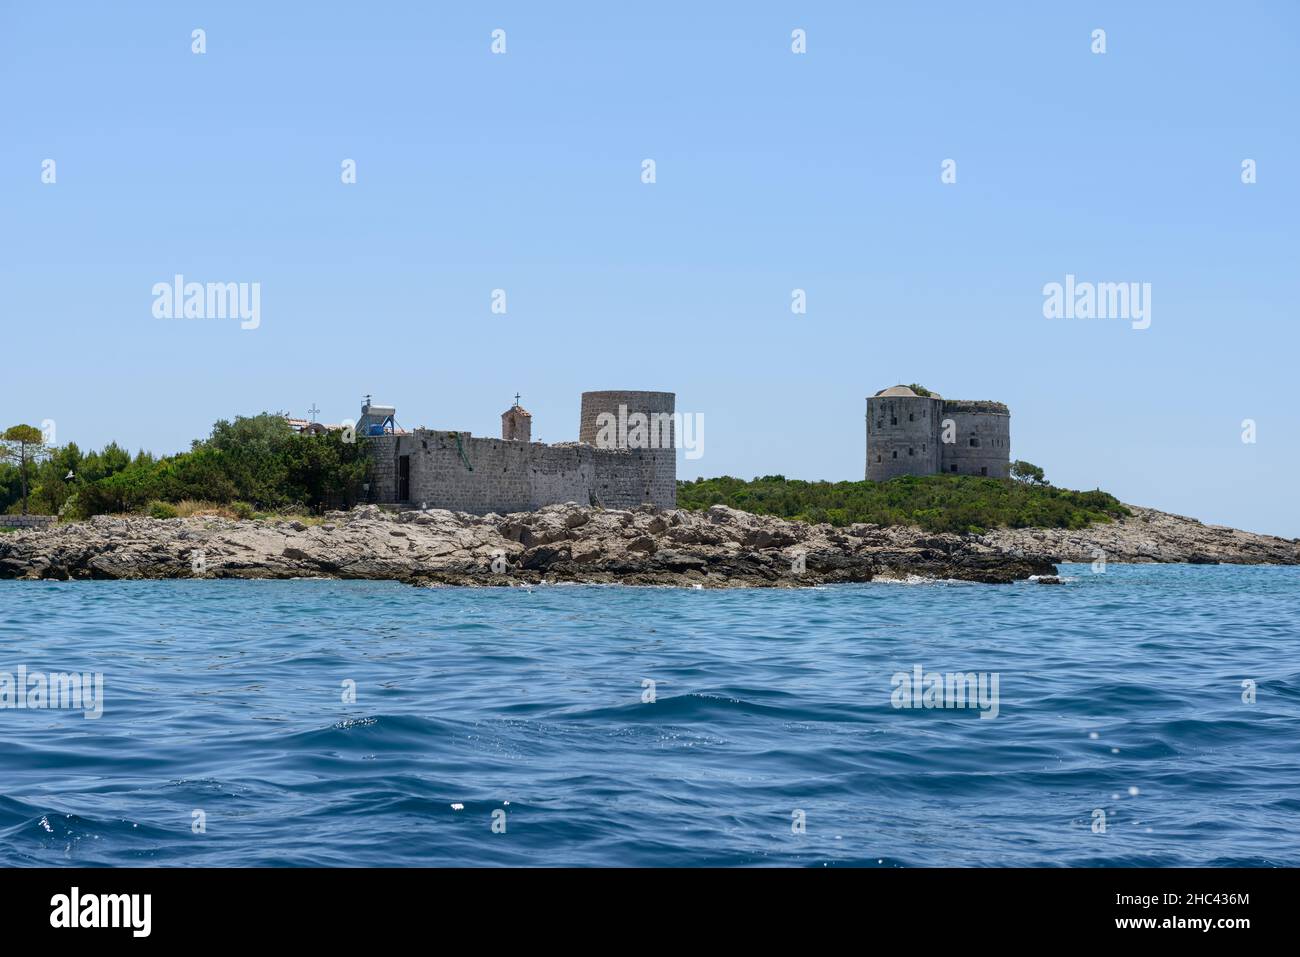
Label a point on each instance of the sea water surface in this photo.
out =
(514, 726)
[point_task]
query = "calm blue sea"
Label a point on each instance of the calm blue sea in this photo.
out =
(772, 738)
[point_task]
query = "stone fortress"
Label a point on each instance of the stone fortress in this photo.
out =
(908, 433)
(430, 468)
(913, 434)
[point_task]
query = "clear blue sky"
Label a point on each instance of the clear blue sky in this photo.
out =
(775, 171)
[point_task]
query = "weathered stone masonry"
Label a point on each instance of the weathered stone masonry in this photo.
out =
(457, 471)
(906, 436)
(27, 521)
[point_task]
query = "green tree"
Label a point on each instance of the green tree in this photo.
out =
(23, 445)
(323, 471)
(251, 459)
(56, 478)
(1023, 471)
(251, 452)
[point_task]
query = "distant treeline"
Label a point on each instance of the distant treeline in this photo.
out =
(940, 503)
(255, 463)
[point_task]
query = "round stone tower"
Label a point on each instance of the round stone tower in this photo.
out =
(601, 410)
(902, 434)
(641, 423)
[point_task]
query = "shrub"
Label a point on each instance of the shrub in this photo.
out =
(251, 463)
(158, 509)
(965, 504)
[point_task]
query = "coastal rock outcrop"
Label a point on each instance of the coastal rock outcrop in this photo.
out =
(718, 547)
(1147, 535)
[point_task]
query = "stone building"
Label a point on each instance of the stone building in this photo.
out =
(517, 423)
(454, 470)
(913, 434)
(657, 444)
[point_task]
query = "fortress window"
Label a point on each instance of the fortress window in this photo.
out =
(893, 420)
(953, 467)
(877, 458)
(984, 470)
(974, 442)
(911, 451)
(922, 446)
(895, 453)
(911, 417)
(880, 423)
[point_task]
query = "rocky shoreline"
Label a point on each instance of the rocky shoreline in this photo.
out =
(717, 547)
(1147, 535)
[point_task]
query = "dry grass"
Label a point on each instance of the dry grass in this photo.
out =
(236, 511)
(189, 507)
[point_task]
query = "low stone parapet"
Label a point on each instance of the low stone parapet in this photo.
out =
(27, 521)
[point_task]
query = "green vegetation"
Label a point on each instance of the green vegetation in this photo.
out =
(22, 447)
(938, 503)
(920, 390)
(160, 510)
(258, 467)
(253, 464)
(1023, 471)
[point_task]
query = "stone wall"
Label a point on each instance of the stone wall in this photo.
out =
(982, 443)
(651, 474)
(508, 476)
(905, 436)
(626, 479)
(27, 521)
(902, 436)
(594, 404)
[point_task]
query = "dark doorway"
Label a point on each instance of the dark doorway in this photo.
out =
(403, 478)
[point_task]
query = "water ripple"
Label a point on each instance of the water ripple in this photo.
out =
(363, 723)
